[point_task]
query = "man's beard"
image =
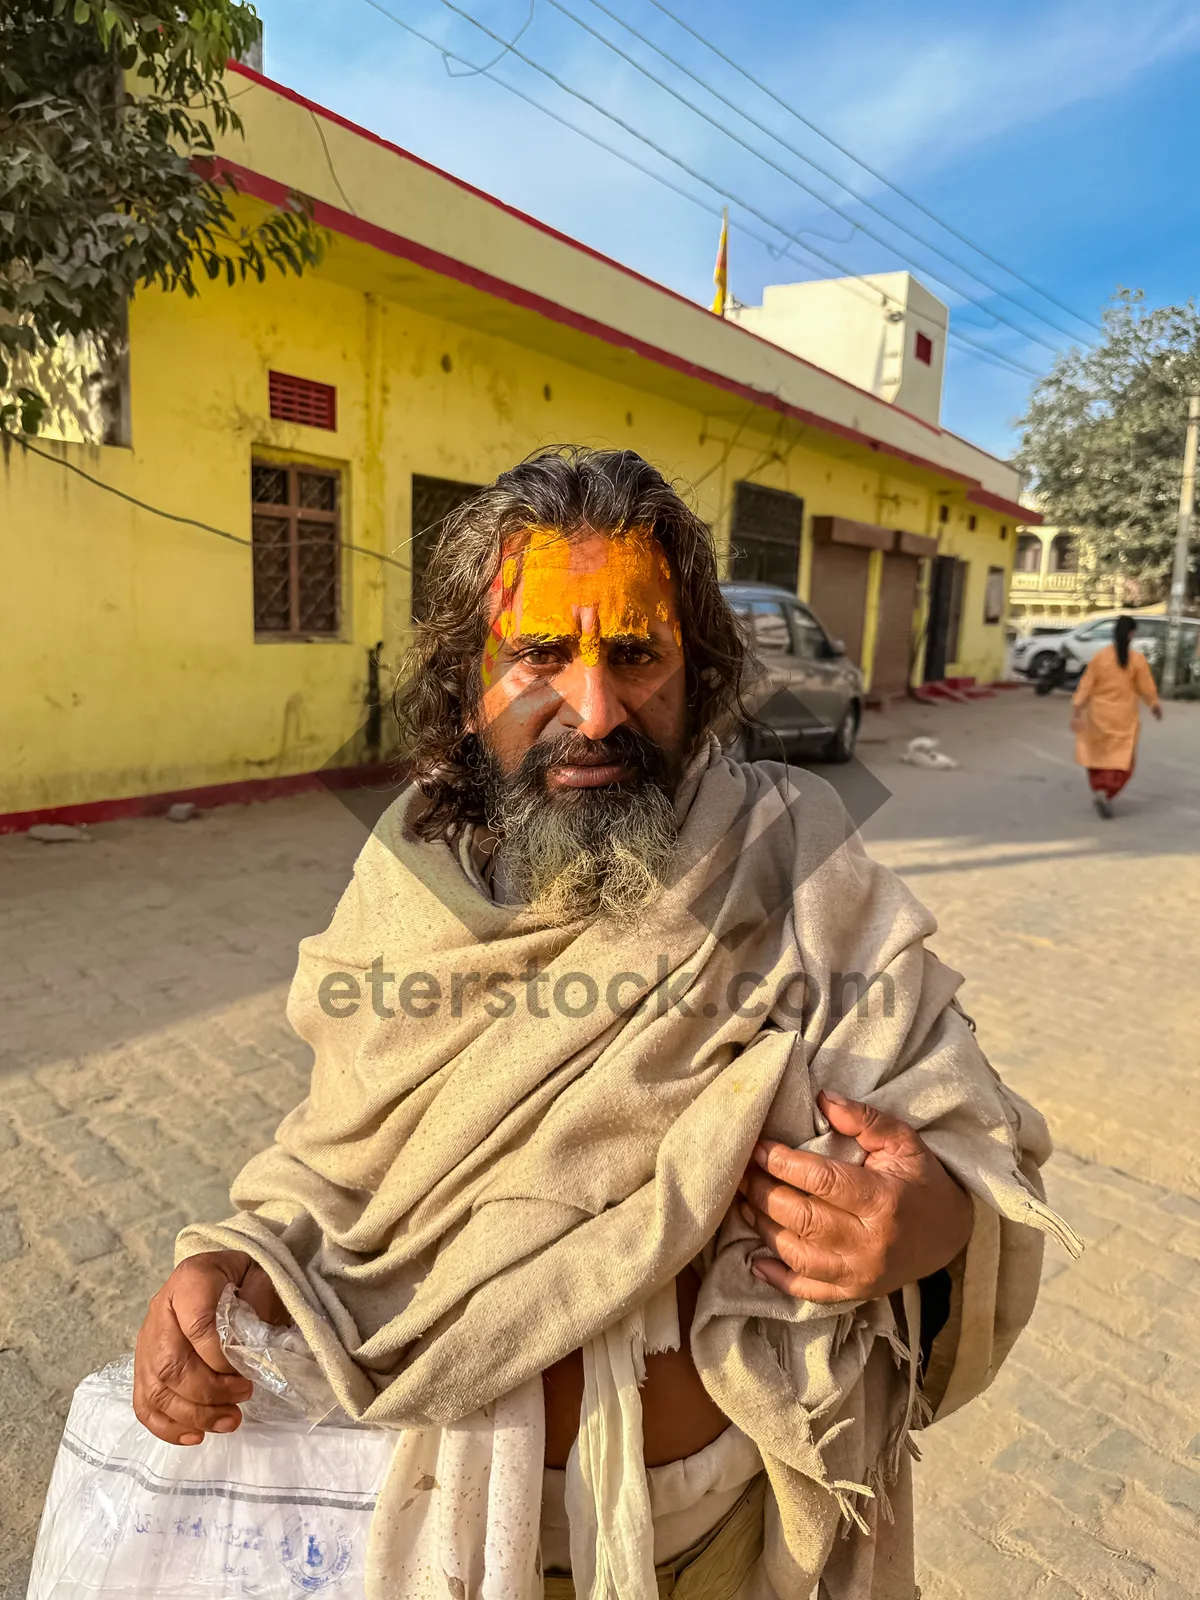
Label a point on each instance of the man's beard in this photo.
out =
(572, 853)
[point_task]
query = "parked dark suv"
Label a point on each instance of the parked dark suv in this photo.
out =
(802, 686)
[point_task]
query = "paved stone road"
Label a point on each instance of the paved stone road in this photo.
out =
(144, 1056)
(1079, 1472)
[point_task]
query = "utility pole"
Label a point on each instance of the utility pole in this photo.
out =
(1183, 532)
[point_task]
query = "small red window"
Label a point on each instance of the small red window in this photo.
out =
(925, 349)
(302, 400)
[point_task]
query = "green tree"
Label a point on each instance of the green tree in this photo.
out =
(104, 191)
(1103, 436)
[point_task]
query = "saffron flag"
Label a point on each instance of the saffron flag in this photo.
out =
(721, 270)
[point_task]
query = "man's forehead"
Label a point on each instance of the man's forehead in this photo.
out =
(625, 552)
(590, 586)
(543, 569)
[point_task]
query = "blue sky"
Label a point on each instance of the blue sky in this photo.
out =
(1058, 135)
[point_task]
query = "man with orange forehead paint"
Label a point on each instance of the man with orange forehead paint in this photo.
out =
(651, 1253)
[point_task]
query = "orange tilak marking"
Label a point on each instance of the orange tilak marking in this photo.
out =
(558, 601)
(501, 594)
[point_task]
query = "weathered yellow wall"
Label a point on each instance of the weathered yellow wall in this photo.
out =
(128, 663)
(980, 644)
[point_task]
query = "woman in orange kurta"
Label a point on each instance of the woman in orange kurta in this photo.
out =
(1106, 714)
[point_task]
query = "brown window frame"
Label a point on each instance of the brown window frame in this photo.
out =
(294, 514)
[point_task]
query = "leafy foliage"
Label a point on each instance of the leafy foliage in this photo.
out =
(1104, 433)
(103, 191)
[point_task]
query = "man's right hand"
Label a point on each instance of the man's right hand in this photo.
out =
(183, 1387)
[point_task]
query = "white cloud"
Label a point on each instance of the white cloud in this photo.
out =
(904, 99)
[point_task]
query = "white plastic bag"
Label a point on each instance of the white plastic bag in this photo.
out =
(277, 1510)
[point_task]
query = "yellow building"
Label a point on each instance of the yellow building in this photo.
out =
(201, 606)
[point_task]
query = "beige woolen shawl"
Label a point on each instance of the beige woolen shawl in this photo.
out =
(497, 1172)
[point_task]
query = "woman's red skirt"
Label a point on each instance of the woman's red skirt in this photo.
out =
(1108, 781)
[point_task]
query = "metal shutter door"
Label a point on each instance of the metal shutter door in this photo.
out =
(894, 642)
(839, 593)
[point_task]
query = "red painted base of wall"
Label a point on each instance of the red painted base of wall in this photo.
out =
(213, 794)
(931, 694)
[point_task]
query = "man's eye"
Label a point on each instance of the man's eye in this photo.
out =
(541, 656)
(632, 655)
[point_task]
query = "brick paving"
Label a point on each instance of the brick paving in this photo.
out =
(1078, 1474)
(144, 1056)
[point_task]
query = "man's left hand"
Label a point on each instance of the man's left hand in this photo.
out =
(844, 1232)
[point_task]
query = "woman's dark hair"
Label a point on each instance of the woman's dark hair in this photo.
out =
(1125, 628)
(574, 490)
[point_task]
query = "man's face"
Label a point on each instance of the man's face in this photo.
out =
(584, 640)
(582, 720)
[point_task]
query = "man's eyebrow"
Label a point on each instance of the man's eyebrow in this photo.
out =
(520, 641)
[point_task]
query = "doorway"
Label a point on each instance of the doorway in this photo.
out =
(946, 582)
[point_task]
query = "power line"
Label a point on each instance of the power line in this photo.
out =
(992, 356)
(497, 59)
(174, 516)
(767, 160)
(762, 127)
(867, 168)
(791, 237)
(848, 281)
(329, 162)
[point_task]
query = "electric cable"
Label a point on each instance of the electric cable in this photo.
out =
(190, 522)
(870, 170)
(329, 162)
(473, 72)
(846, 273)
(775, 166)
(745, 205)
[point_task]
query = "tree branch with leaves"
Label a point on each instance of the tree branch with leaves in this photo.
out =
(1104, 433)
(104, 188)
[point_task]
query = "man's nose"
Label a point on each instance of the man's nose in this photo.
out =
(591, 703)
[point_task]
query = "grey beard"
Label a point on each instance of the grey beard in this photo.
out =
(583, 853)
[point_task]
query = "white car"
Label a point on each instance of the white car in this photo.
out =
(1035, 653)
(1076, 649)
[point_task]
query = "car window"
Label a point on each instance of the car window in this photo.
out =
(1097, 630)
(807, 633)
(766, 627)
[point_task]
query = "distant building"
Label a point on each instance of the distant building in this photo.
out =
(1052, 580)
(329, 424)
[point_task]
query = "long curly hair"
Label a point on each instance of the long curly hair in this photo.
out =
(575, 490)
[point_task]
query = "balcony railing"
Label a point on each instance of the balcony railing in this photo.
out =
(1047, 582)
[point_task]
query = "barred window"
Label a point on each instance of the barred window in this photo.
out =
(296, 526)
(765, 536)
(433, 500)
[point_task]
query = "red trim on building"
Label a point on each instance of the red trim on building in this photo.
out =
(394, 244)
(995, 502)
(524, 217)
(205, 798)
